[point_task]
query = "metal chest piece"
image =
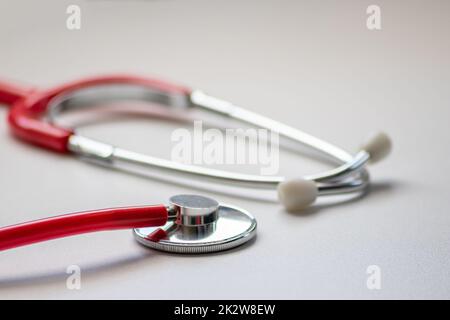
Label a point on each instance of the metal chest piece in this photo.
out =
(201, 225)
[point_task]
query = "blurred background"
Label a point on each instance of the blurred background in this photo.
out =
(313, 65)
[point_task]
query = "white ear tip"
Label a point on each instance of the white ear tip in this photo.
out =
(297, 194)
(378, 146)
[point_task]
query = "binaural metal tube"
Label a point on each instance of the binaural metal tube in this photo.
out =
(357, 184)
(133, 161)
(349, 168)
(204, 101)
(117, 157)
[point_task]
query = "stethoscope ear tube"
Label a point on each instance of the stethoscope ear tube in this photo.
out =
(297, 194)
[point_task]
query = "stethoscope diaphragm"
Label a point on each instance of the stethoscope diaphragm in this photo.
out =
(202, 225)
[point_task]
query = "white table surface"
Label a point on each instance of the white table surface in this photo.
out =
(312, 65)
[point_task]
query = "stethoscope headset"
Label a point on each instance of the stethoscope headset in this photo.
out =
(189, 223)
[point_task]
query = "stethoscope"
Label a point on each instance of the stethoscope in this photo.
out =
(190, 223)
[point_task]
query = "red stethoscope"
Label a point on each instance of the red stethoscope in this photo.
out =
(189, 224)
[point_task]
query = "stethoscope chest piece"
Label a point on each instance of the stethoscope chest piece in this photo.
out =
(199, 225)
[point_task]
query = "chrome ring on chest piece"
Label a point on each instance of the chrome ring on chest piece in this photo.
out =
(199, 224)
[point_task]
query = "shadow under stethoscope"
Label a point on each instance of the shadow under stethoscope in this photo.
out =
(96, 270)
(61, 276)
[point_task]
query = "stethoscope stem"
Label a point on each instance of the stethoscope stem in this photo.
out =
(82, 222)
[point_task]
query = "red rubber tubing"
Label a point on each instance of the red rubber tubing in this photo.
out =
(28, 107)
(81, 222)
(10, 93)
